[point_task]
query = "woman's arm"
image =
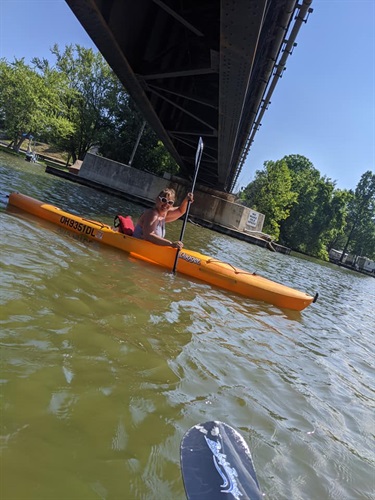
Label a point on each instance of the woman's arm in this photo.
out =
(176, 212)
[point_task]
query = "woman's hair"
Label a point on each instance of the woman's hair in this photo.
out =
(168, 192)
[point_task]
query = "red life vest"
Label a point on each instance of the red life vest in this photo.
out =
(125, 224)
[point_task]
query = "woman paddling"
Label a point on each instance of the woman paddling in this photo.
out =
(151, 224)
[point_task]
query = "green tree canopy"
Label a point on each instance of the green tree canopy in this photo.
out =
(319, 215)
(306, 212)
(89, 95)
(360, 230)
(74, 104)
(271, 194)
(304, 178)
(120, 137)
(31, 105)
(101, 112)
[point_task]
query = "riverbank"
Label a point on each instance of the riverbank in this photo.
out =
(351, 268)
(43, 151)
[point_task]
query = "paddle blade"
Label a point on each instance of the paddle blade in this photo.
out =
(216, 463)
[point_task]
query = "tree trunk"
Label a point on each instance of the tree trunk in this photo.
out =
(17, 145)
(19, 140)
(72, 151)
(347, 243)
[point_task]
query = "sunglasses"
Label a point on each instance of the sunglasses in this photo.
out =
(164, 200)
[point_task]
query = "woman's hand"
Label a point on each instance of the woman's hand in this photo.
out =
(177, 244)
(190, 197)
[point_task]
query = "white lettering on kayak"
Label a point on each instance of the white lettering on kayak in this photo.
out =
(77, 226)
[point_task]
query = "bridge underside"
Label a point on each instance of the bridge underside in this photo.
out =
(197, 68)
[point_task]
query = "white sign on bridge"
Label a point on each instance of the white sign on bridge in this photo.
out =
(252, 220)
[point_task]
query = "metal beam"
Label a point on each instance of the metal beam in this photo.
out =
(196, 69)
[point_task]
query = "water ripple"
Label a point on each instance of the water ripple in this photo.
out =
(107, 361)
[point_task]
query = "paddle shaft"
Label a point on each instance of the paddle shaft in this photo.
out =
(198, 157)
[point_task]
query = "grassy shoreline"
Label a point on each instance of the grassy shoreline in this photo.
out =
(45, 151)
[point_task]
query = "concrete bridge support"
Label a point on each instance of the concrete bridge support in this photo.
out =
(214, 207)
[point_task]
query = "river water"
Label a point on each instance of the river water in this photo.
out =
(107, 361)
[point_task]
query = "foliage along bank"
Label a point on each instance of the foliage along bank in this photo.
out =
(305, 211)
(76, 104)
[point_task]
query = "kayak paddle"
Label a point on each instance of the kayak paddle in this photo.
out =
(198, 156)
(216, 463)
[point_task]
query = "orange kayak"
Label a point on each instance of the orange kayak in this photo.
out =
(194, 264)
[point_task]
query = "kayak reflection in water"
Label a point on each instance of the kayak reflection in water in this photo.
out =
(151, 224)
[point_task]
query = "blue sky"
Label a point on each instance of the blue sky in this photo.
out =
(323, 107)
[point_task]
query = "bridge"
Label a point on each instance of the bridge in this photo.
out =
(198, 68)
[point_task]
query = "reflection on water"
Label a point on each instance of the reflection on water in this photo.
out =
(107, 361)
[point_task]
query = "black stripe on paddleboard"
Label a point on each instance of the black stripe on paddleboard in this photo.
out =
(216, 463)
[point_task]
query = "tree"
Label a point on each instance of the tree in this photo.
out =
(271, 194)
(30, 104)
(304, 180)
(120, 136)
(302, 209)
(319, 216)
(361, 218)
(88, 99)
(329, 218)
(101, 112)
(337, 218)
